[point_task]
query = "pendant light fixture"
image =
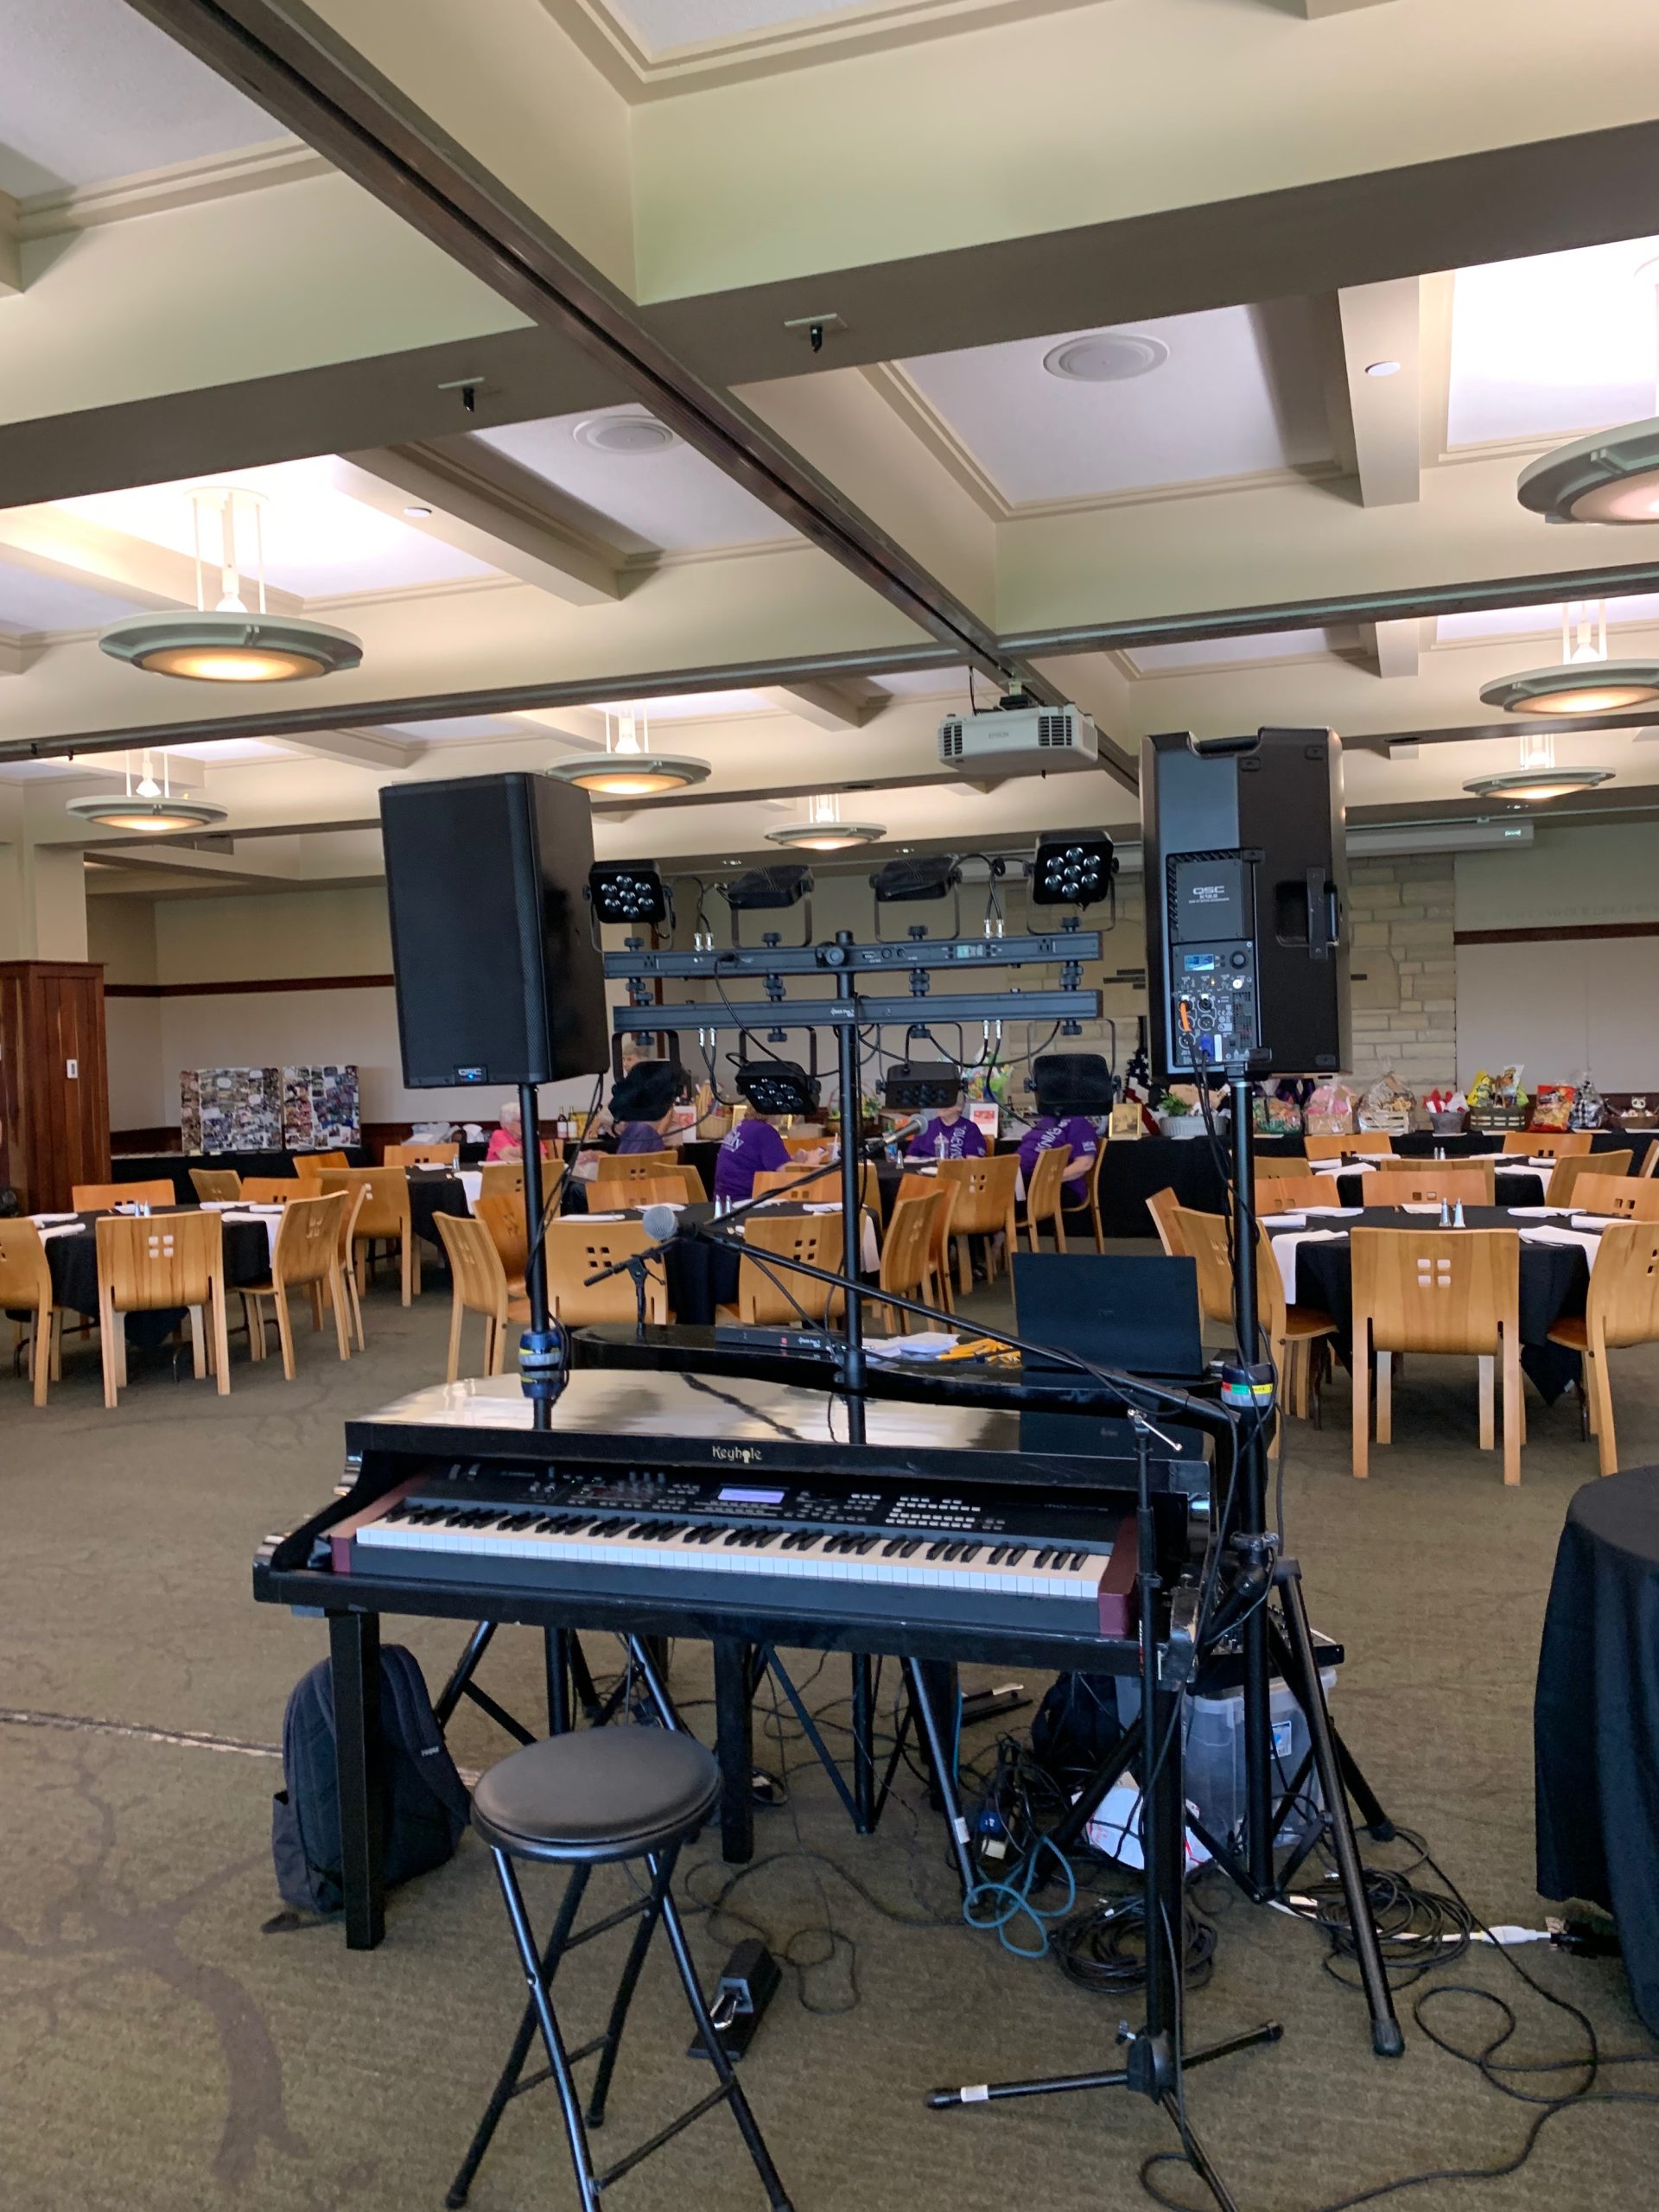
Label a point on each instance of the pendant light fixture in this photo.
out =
(150, 807)
(1611, 476)
(1538, 778)
(1585, 681)
(628, 768)
(229, 642)
(824, 830)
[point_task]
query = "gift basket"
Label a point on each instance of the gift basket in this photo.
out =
(1388, 1105)
(1330, 1111)
(1447, 1111)
(1498, 1102)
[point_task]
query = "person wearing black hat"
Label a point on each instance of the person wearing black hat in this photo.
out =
(947, 1136)
(643, 1103)
(1064, 1090)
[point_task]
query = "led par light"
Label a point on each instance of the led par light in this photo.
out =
(776, 1086)
(767, 890)
(931, 876)
(627, 892)
(1071, 868)
(909, 1085)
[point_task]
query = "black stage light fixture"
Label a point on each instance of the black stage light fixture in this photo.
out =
(627, 892)
(1073, 1083)
(910, 1084)
(1072, 868)
(933, 875)
(767, 890)
(776, 1086)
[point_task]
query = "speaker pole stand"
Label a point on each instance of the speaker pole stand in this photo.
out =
(530, 1138)
(852, 1173)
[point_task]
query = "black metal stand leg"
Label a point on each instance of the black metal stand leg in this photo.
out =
(582, 1680)
(1372, 1818)
(502, 2095)
(709, 2038)
(1108, 1772)
(645, 1654)
(450, 1696)
(863, 1745)
(734, 1744)
(354, 1654)
(556, 1661)
(943, 1771)
(557, 2057)
(625, 1988)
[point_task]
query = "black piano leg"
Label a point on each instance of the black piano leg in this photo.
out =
(582, 1678)
(923, 1693)
(556, 1659)
(939, 1675)
(734, 1742)
(863, 1745)
(354, 1653)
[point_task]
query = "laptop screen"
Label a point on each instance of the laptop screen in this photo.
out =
(1139, 1312)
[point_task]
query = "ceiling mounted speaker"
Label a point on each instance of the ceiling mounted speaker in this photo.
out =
(632, 434)
(1109, 357)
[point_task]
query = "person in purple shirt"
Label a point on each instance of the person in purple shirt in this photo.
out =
(643, 1105)
(1050, 1129)
(752, 1146)
(947, 1136)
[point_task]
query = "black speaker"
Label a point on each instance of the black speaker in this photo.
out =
(497, 976)
(1246, 891)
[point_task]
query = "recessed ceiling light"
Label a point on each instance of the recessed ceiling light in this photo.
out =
(635, 434)
(417, 509)
(1381, 368)
(1109, 357)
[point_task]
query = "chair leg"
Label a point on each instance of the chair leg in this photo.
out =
(1100, 1233)
(451, 1372)
(57, 1343)
(337, 1300)
(285, 1331)
(39, 1352)
(1059, 1231)
(1362, 1414)
(253, 1313)
(1602, 1397)
(965, 1267)
(221, 1339)
(1513, 1417)
(1385, 1398)
(646, 1928)
(107, 1325)
(406, 1258)
(316, 1308)
(1485, 1365)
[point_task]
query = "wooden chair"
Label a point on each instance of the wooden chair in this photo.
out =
(1437, 1290)
(1623, 1308)
(305, 1254)
(504, 1221)
(930, 1187)
(633, 1166)
(26, 1288)
(382, 1219)
(275, 1190)
(1290, 1194)
(907, 1261)
(578, 1249)
(985, 1203)
(1270, 1164)
(804, 1141)
(1081, 1201)
(1625, 1198)
(310, 1165)
(821, 1190)
(1166, 1210)
(696, 1194)
(1043, 1196)
(502, 1179)
(1293, 1331)
(347, 1232)
(663, 1190)
(1566, 1174)
(782, 1295)
(1370, 1142)
(144, 1264)
(478, 1284)
(1412, 1182)
(215, 1183)
(1649, 1159)
(1553, 1144)
(438, 1154)
(101, 1197)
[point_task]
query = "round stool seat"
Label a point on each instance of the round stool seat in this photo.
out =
(597, 1794)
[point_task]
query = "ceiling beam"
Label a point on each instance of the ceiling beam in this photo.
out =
(15, 655)
(361, 748)
(11, 272)
(1316, 10)
(50, 542)
(501, 515)
(1397, 647)
(1376, 408)
(827, 706)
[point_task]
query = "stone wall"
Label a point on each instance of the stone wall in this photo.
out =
(1403, 912)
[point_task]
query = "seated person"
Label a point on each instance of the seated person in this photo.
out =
(643, 1104)
(507, 1138)
(752, 1146)
(1054, 1127)
(947, 1136)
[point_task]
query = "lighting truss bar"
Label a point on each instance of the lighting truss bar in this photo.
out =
(839, 1014)
(959, 953)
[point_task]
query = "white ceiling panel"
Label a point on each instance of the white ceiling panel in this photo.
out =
(89, 90)
(660, 25)
(925, 682)
(1558, 343)
(673, 499)
(458, 728)
(1240, 391)
(1640, 609)
(1226, 652)
(30, 602)
(692, 706)
(318, 542)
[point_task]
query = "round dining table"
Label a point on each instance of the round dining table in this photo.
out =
(72, 1258)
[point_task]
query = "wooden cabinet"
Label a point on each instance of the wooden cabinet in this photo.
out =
(55, 1093)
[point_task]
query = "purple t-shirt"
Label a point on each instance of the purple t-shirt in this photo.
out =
(957, 1139)
(1048, 1131)
(751, 1146)
(640, 1136)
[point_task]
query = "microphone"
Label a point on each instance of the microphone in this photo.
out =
(661, 1224)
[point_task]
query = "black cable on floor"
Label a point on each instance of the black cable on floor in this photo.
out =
(1105, 1948)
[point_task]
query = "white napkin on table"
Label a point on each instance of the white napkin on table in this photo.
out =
(927, 1343)
(44, 1220)
(63, 1228)
(1597, 1222)
(1547, 1233)
(269, 1217)
(1285, 1250)
(604, 1216)
(471, 1181)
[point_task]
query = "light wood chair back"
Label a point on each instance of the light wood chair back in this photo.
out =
(695, 1192)
(1413, 1182)
(805, 1188)
(26, 1288)
(661, 1191)
(1649, 1159)
(146, 1264)
(908, 1260)
(803, 1141)
(1566, 1174)
(382, 1217)
(1166, 1210)
(1626, 1197)
(310, 1165)
(1043, 1196)
(985, 1206)
(1551, 1144)
(502, 1179)
(1081, 1198)
(1289, 1193)
(633, 1166)
(578, 1249)
(215, 1183)
(478, 1284)
(305, 1256)
(275, 1190)
(1293, 1333)
(1202, 1237)
(503, 1222)
(436, 1153)
(1436, 1290)
(1623, 1308)
(100, 1197)
(1370, 1142)
(1271, 1164)
(783, 1295)
(931, 1186)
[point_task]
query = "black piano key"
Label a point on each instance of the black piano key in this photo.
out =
(894, 1544)
(911, 1549)
(1079, 1560)
(1013, 1557)
(998, 1556)
(937, 1551)
(971, 1552)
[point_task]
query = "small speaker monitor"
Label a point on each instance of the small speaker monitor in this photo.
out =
(497, 979)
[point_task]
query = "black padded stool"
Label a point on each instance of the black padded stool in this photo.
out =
(581, 1800)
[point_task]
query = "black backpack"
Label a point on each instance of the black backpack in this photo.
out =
(424, 1806)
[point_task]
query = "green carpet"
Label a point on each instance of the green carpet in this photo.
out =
(159, 2054)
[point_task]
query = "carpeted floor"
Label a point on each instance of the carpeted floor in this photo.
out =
(158, 2053)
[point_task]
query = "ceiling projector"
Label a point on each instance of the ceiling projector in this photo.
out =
(1019, 740)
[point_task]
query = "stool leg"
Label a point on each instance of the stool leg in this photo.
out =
(539, 1973)
(624, 1998)
(753, 2141)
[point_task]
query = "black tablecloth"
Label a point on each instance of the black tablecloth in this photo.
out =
(1554, 1281)
(1513, 1186)
(434, 1194)
(135, 1167)
(1596, 1720)
(73, 1264)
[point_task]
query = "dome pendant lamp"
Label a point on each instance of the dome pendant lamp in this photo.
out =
(628, 768)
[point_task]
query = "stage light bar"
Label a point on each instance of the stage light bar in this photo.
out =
(1071, 868)
(776, 1086)
(628, 891)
